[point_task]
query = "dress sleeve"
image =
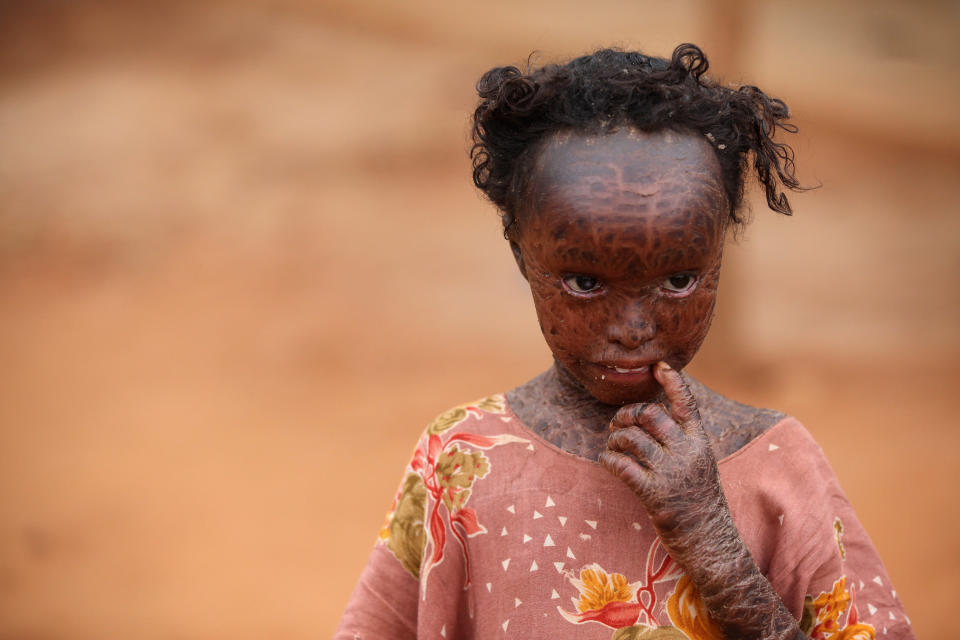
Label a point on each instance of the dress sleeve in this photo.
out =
(847, 593)
(391, 599)
(806, 538)
(384, 602)
(386, 598)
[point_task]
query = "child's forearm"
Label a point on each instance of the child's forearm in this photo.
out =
(739, 598)
(667, 460)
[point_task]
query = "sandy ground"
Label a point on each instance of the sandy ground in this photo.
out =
(242, 264)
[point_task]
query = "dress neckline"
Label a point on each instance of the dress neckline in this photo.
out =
(578, 458)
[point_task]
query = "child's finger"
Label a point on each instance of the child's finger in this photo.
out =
(628, 416)
(661, 427)
(650, 418)
(625, 468)
(683, 406)
(636, 443)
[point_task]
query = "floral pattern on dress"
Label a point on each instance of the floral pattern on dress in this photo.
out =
(610, 599)
(628, 607)
(438, 483)
(493, 404)
(838, 534)
(821, 615)
(688, 612)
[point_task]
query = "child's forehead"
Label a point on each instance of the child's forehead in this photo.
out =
(628, 156)
(628, 178)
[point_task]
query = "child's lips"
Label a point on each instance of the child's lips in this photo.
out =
(642, 369)
(624, 371)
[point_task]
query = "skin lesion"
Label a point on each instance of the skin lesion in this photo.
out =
(576, 227)
(729, 425)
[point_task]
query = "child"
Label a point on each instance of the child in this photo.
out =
(613, 496)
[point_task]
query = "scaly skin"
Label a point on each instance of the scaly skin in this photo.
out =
(614, 229)
(668, 458)
(665, 456)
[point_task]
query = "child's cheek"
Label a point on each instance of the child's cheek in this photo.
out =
(690, 321)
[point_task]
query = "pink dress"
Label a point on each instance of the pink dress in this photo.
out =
(496, 533)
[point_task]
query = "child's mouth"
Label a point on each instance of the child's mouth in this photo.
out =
(642, 369)
(625, 374)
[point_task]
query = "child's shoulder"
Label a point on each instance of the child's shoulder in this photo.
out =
(731, 425)
(477, 411)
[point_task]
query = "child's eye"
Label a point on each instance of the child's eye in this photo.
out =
(679, 282)
(580, 283)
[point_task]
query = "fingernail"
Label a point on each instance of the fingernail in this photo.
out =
(663, 366)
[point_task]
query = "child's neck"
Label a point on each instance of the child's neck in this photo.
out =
(559, 409)
(562, 412)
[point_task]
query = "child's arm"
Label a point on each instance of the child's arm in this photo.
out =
(384, 602)
(667, 461)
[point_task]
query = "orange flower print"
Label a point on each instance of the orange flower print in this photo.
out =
(597, 588)
(821, 616)
(859, 631)
(687, 612)
(828, 607)
(611, 600)
(606, 598)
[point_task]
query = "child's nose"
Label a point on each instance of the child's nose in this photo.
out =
(633, 328)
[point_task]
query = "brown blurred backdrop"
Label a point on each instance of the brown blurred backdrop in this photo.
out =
(242, 264)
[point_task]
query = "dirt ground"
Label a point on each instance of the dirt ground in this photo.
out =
(242, 265)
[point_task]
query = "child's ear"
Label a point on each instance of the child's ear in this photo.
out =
(518, 256)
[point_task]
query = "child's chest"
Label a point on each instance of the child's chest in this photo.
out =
(528, 541)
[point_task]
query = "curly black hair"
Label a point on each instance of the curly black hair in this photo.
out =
(610, 88)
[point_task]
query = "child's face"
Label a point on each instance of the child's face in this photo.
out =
(620, 239)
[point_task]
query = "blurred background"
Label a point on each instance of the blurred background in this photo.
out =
(242, 264)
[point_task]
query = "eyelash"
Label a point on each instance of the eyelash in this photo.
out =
(581, 284)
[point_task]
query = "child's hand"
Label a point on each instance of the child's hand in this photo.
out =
(666, 459)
